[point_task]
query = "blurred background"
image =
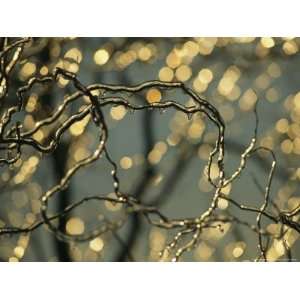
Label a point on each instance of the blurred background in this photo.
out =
(161, 155)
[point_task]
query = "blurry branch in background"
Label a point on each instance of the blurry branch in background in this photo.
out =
(188, 231)
(60, 156)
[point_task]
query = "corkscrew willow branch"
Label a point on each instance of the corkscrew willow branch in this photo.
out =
(188, 231)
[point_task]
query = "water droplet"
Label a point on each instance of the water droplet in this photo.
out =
(131, 110)
(64, 187)
(162, 110)
(113, 173)
(189, 115)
